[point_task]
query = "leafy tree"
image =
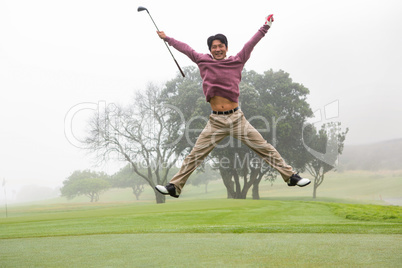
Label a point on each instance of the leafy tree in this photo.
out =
(324, 146)
(125, 178)
(203, 175)
(88, 183)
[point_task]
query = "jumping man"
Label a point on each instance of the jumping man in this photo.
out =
(221, 76)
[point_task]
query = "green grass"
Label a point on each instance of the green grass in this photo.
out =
(201, 233)
(380, 187)
(368, 212)
(204, 250)
(343, 227)
(203, 216)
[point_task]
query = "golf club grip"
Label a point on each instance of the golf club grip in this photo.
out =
(178, 66)
(171, 54)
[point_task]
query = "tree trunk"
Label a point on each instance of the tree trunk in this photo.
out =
(92, 196)
(160, 198)
(315, 190)
(255, 179)
(227, 181)
(236, 179)
(242, 195)
(229, 194)
(246, 187)
(319, 178)
(256, 191)
(137, 191)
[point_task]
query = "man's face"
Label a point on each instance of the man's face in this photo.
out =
(218, 50)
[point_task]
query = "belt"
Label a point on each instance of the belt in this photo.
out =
(226, 112)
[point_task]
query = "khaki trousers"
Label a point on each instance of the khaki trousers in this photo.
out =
(220, 126)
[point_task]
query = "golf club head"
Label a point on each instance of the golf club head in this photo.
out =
(140, 8)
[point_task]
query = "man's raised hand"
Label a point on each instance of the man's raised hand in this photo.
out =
(161, 34)
(269, 20)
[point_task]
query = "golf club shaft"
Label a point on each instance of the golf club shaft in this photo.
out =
(178, 66)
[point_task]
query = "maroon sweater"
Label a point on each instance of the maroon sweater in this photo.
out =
(220, 77)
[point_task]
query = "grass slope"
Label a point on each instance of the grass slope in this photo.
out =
(204, 216)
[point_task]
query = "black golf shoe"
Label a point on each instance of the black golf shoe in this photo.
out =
(169, 189)
(295, 179)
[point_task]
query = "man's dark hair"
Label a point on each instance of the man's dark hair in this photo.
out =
(219, 37)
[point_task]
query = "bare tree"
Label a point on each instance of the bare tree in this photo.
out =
(139, 134)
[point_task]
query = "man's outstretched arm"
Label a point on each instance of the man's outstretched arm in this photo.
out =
(180, 46)
(245, 53)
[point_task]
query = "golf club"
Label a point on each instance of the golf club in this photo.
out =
(178, 66)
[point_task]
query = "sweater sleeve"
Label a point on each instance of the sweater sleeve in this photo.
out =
(245, 53)
(184, 48)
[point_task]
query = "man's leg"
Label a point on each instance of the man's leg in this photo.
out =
(211, 135)
(245, 132)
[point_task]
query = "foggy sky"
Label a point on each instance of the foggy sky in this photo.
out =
(57, 55)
